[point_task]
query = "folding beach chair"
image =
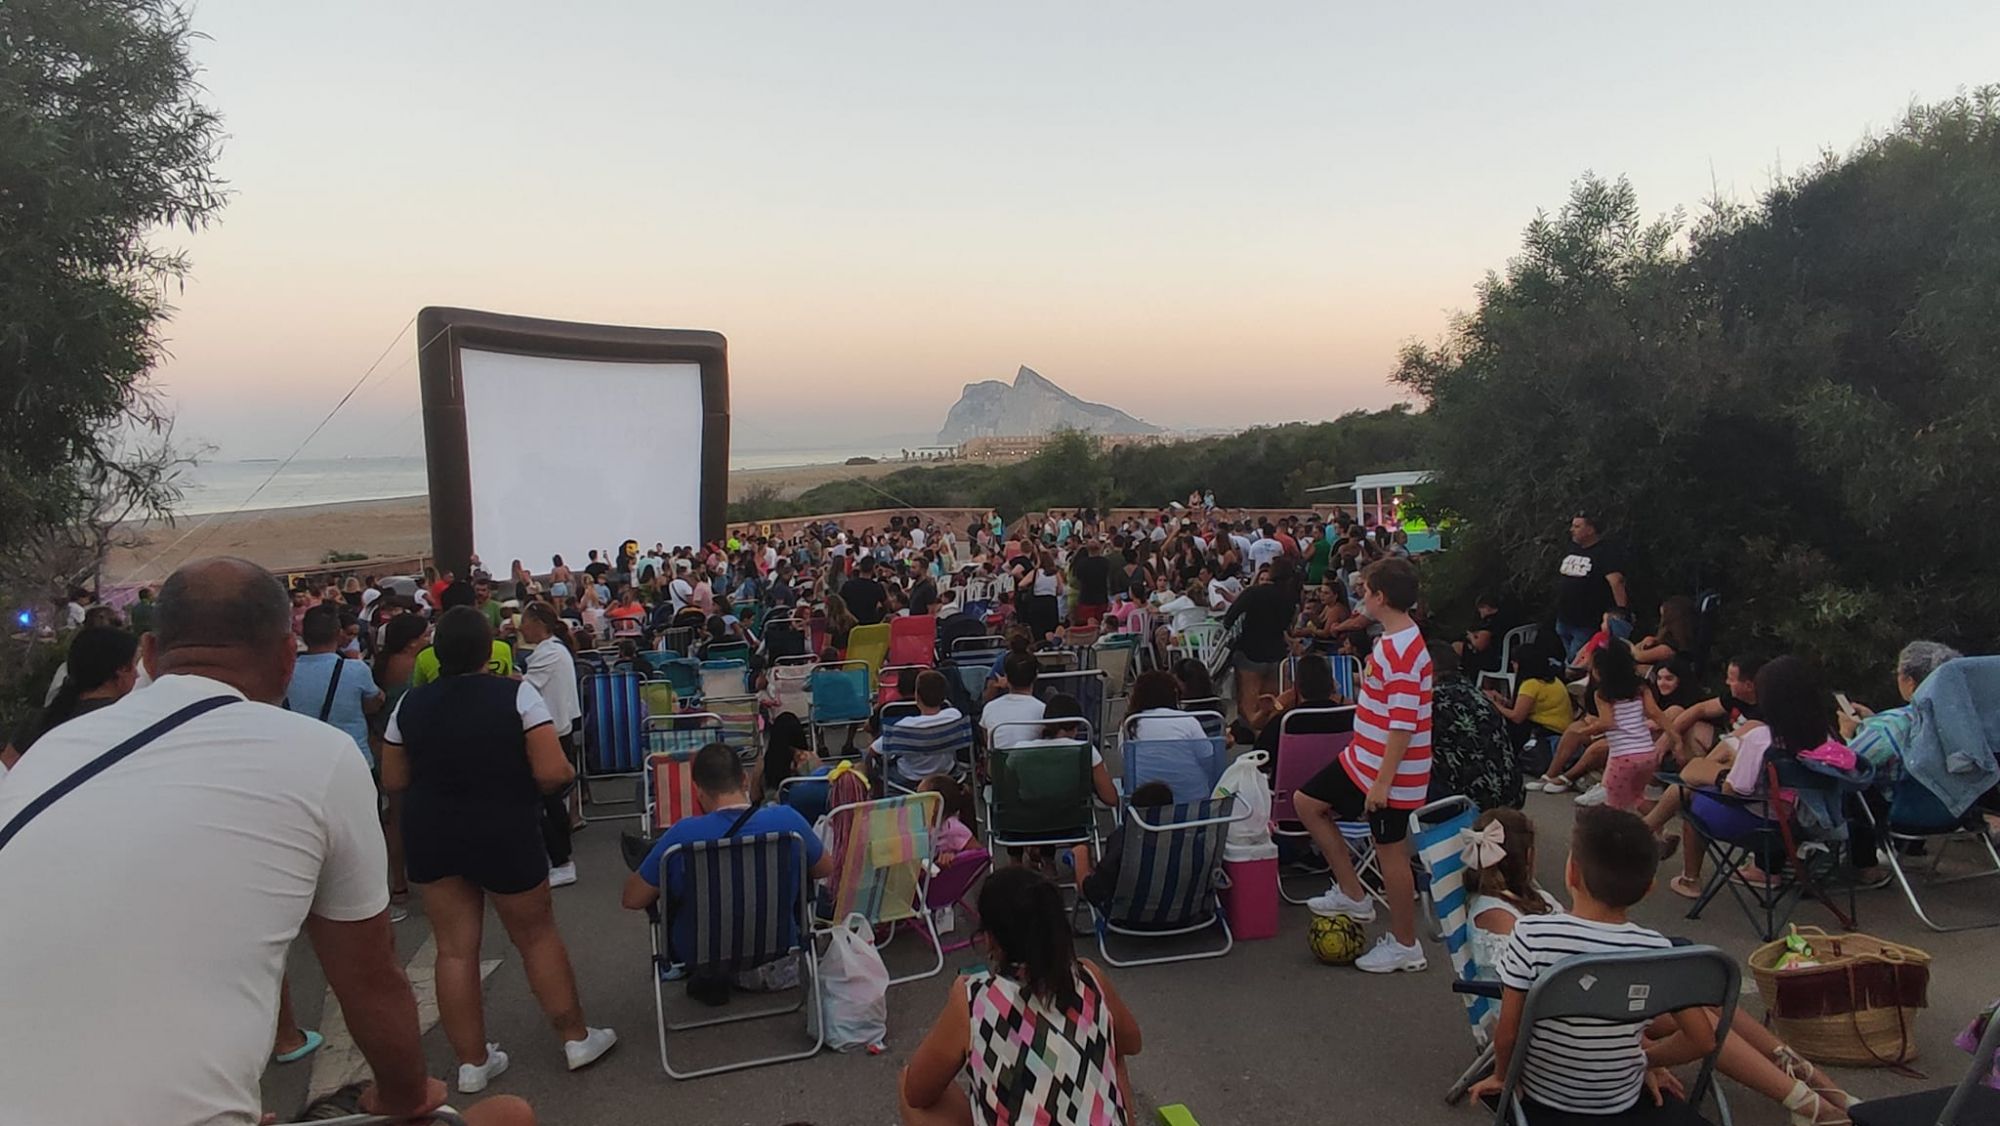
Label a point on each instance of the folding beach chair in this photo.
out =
(678, 640)
(1346, 674)
(870, 646)
(724, 677)
(659, 698)
(790, 686)
(1190, 767)
(614, 744)
(839, 696)
(979, 649)
(912, 640)
(1437, 831)
(969, 683)
(656, 660)
(785, 637)
(1301, 755)
(1169, 870)
(1627, 987)
(881, 859)
(1970, 1103)
(1207, 709)
(1793, 856)
(1113, 656)
(1056, 660)
(951, 889)
(889, 680)
(750, 900)
(1916, 816)
(684, 674)
(751, 614)
(911, 753)
(1087, 685)
(739, 718)
(670, 792)
(1039, 793)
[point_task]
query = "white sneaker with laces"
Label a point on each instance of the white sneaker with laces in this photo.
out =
(1389, 956)
(473, 1077)
(582, 1053)
(1533, 785)
(1556, 786)
(1337, 902)
(562, 875)
(1592, 796)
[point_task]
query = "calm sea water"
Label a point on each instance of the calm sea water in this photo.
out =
(224, 486)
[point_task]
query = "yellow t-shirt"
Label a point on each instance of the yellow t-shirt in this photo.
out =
(1552, 709)
(426, 669)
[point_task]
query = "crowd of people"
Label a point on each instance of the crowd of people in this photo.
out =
(437, 724)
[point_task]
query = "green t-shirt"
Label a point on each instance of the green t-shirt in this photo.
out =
(492, 611)
(1316, 561)
(426, 669)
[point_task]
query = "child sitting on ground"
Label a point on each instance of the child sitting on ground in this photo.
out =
(954, 831)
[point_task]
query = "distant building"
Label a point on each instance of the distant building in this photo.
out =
(1028, 445)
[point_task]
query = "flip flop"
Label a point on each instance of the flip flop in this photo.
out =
(1684, 887)
(313, 1043)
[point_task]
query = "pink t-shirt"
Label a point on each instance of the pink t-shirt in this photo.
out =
(1746, 774)
(953, 836)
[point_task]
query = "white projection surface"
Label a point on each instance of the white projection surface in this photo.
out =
(565, 455)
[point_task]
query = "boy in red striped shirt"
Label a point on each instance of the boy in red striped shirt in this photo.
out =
(1383, 774)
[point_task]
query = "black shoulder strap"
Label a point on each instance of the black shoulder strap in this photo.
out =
(742, 819)
(332, 683)
(107, 760)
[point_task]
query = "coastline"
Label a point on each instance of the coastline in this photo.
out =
(299, 537)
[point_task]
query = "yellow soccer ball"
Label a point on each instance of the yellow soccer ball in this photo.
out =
(1336, 941)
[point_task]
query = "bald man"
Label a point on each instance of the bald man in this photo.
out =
(161, 854)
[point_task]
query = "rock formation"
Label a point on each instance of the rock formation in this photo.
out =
(1033, 405)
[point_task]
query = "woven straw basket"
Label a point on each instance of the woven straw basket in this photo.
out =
(1857, 1008)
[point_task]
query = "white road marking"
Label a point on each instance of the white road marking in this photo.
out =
(339, 1062)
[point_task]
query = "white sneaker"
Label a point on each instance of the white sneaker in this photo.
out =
(1556, 786)
(1336, 902)
(473, 1077)
(1533, 785)
(1388, 956)
(562, 875)
(1592, 796)
(582, 1053)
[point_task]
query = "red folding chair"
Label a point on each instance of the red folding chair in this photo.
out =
(913, 640)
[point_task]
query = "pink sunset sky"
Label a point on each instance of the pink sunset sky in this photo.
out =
(1207, 215)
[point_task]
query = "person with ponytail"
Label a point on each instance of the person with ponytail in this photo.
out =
(1500, 887)
(551, 668)
(1033, 1033)
(103, 667)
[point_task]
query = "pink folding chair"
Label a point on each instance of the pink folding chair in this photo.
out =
(913, 640)
(1300, 756)
(952, 887)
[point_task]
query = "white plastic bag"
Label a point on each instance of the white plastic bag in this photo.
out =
(856, 984)
(1250, 837)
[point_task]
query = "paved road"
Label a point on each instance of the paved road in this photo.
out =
(1264, 1035)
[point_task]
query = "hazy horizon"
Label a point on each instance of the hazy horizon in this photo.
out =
(1206, 222)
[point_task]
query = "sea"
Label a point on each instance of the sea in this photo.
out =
(224, 485)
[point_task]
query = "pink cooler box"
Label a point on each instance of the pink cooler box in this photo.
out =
(1251, 899)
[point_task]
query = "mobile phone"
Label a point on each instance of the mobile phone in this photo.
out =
(1846, 705)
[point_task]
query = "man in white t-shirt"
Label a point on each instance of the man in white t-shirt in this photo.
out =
(151, 905)
(1017, 705)
(680, 591)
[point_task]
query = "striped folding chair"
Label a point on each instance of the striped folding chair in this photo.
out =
(1191, 767)
(790, 687)
(724, 677)
(1346, 675)
(748, 903)
(911, 754)
(678, 640)
(1087, 685)
(1300, 756)
(881, 865)
(1169, 872)
(1437, 830)
(670, 793)
(614, 744)
(839, 697)
(913, 640)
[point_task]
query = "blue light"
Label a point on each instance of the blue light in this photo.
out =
(26, 618)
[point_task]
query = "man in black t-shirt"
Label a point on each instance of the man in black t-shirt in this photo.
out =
(596, 568)
(1093, 585)
(1592, 580)
(863, 594)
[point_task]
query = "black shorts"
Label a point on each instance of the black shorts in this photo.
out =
(1350, 803)
(497, 850)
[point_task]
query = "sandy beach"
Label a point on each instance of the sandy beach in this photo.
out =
(294, 538)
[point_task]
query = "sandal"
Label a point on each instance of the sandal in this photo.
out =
(1802, 1069)
(1810, 1108)
(312, 1044)
(1685, 887)
(1669, 844)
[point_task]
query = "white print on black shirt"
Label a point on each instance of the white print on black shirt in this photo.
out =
(1576, 566)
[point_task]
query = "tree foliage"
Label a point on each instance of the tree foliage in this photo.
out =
(103, 141)
(1269, 466)
(1793, 403)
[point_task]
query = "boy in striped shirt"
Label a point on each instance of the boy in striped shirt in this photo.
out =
(1384, 773)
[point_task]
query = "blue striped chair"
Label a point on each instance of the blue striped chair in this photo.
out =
(1436, 829)
(750, 901)
(910, 754)
(614, 718)
(1170, 867)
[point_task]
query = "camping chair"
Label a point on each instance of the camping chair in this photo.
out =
(1170, 867)
(1795, 859)
(656, 660)
(676, 639)
(912, 640)
(731, 650)
(684, 673)
(750, 901)
(622, 628)
(870, 646)
(614, 744)
(911, 754)
(1300, 756)
(738, 716)
(1056, 661)
(724, 677)
(751, 614)
(1207, 709)
(882, 859)
(784, 637)
(1971, 1101)
(951, 889)
(1087, 685)
(980, 649)
(791, 690)
(1436, 830)
(839, 696)
(1190, 767)
(1113, 656)
(1039, 794)
(659, 698)
(1630, 986)
(972, 676)
(1915, 815)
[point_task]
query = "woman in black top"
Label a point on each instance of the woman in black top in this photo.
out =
(102, 667)
(1266, 611)
(472, 755)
